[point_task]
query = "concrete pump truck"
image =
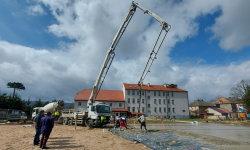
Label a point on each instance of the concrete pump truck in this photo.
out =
(91, 116)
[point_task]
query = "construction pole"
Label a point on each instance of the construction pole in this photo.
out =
(137, 115)
(76, 120)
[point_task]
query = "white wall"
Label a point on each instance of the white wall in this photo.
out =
(214, 112)
(180, 103)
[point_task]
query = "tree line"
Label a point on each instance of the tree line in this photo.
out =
(9, 101)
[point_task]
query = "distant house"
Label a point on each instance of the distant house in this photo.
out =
(233, 104)
(217, 113)
(199, 106)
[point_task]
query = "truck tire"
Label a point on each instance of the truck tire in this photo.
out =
(70, 122)
(65, 121)
(89, 123)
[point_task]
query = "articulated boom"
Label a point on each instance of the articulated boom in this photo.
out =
(111, 54)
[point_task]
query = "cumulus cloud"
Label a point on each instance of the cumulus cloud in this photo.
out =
(35, 10)
(231, 28)
(72, 67)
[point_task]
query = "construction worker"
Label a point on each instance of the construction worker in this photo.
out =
(57, 114)
(103, 119)
(118, 122)
(47, 123)
(38, 127)
(123, 121)
(143, 123)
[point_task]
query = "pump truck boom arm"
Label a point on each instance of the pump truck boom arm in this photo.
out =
(110, 54)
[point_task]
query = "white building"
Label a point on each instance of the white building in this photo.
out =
(156, 100)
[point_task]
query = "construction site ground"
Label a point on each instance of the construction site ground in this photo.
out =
(166, 135)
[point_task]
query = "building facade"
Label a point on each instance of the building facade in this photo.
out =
(157, 100)
(199, 106)
(233, 104)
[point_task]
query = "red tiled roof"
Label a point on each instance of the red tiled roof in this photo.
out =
(221, 99)
(119, 109)
(104, 95)
(134, 113)
(152, 87)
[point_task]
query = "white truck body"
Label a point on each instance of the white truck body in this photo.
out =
(88, 117)
(51, 107)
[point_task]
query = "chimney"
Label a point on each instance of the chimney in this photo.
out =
(148, 84)
(165, 85)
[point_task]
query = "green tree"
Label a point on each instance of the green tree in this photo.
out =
(15, 85)
(54, 100)
(246, 99)
(38, 103)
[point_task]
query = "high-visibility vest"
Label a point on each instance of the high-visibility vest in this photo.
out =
(57, 113)
(103, 118)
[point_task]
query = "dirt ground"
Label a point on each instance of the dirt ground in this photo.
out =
(16, 137)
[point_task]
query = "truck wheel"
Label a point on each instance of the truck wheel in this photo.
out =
(70, 122)
(24, 121)
(65, 121)
(89, 123)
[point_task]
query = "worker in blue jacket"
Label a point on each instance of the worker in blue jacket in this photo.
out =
(47, 123)
(38, 127)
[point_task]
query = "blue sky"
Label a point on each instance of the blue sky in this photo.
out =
(215, 43)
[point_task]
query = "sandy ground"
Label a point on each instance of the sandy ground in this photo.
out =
(17, 137)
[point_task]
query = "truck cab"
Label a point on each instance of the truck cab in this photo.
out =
(96, 111)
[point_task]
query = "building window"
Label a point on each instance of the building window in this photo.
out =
(148, 91)
(120, 104)
(169, 110)
(165, 109)
(138, 100)
(155, 109)
(129, 109)
(110, 104)
(128, 92)
(155, 101)
(164, 101)
(148, 105)
(160, 109)
(159, 101)
(143, 101)
(148, 97)
(133, 92)
(183, 110)
(168, 101)
(173, 110)
(173, 102)
(142, 92)
(173, 94)
(128, 100)
(133, 100)
(133, 109)
(138, 92)
(163, 93)
(159, 93)
(143, 109)
(79, 103)
(154, 93)
(167, 93)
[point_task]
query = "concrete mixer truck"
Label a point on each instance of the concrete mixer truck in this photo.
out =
(51, 107)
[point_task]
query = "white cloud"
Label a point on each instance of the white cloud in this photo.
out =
(232, 27)
(72, 67)
(35, 10)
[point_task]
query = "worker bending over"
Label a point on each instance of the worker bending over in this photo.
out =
(123, 121)
(141, 119)
(103, 119)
